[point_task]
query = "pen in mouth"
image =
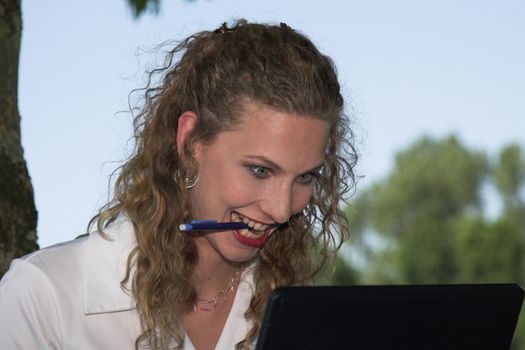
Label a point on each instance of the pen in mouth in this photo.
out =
(204, 225)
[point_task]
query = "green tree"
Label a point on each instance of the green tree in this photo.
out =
(432, 184)
(344, 273)
(141, 6)
(428, 216)
(494, 250)
(509, 175)
(17, 208)
(491, 251)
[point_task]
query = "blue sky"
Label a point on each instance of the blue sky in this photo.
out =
(408, 68)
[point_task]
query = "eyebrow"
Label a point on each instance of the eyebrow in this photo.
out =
(269, 163)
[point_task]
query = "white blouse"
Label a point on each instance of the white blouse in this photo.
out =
(68, 296)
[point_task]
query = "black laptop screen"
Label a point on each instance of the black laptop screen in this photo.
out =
(392, 317)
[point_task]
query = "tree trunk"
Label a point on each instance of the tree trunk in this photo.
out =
(17, 208)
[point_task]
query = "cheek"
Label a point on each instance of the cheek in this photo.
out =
(301, 198)
(235, 188)
(239, 189)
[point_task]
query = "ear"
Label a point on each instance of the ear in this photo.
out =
(186, 123)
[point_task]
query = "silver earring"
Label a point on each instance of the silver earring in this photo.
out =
(190, 182)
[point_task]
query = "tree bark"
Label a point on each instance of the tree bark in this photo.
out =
(18, 214)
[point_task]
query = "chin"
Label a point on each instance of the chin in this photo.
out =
(231, 249)
(239, 255)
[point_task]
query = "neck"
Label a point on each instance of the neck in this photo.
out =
(212, 272)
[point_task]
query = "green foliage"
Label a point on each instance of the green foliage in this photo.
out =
(429, 218)
(509, 175)
(491, 252)
(344, 273)
(426, 254)
(140, 6)
(437, 179)
(340, 273)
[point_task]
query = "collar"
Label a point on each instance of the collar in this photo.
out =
(105, 265)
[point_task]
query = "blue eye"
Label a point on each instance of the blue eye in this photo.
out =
(259, 171)
(306, 179)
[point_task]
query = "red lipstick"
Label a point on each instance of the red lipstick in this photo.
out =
(255, 243)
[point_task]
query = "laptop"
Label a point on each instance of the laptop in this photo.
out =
(410, 317)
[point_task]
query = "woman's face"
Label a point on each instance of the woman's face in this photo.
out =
(262, 172)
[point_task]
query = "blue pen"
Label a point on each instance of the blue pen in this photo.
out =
(201, 225)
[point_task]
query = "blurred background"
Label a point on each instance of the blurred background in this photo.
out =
(435, 91)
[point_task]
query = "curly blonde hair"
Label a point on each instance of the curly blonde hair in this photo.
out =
(211, 73)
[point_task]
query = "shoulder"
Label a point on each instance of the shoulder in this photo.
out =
(59, 258)
(70, 260)
(47, 295)
(28, 305)
(34, 276)
(43, 270)
(68, 267)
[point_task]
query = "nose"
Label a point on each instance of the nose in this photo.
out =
(278, 203)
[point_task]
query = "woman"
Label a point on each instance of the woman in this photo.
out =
(246, 125)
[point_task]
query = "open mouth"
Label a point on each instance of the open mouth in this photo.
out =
(256, 235)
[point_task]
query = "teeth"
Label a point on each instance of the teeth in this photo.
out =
(253, 225)
(248, 234)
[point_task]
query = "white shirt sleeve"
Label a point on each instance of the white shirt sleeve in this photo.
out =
(28, 313)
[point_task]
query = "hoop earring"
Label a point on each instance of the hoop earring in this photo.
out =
(189, 181)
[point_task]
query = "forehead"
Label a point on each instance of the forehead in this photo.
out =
(295, 143)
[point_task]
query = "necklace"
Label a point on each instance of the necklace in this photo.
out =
(209, 304)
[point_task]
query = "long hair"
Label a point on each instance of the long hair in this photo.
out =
(211, 73)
